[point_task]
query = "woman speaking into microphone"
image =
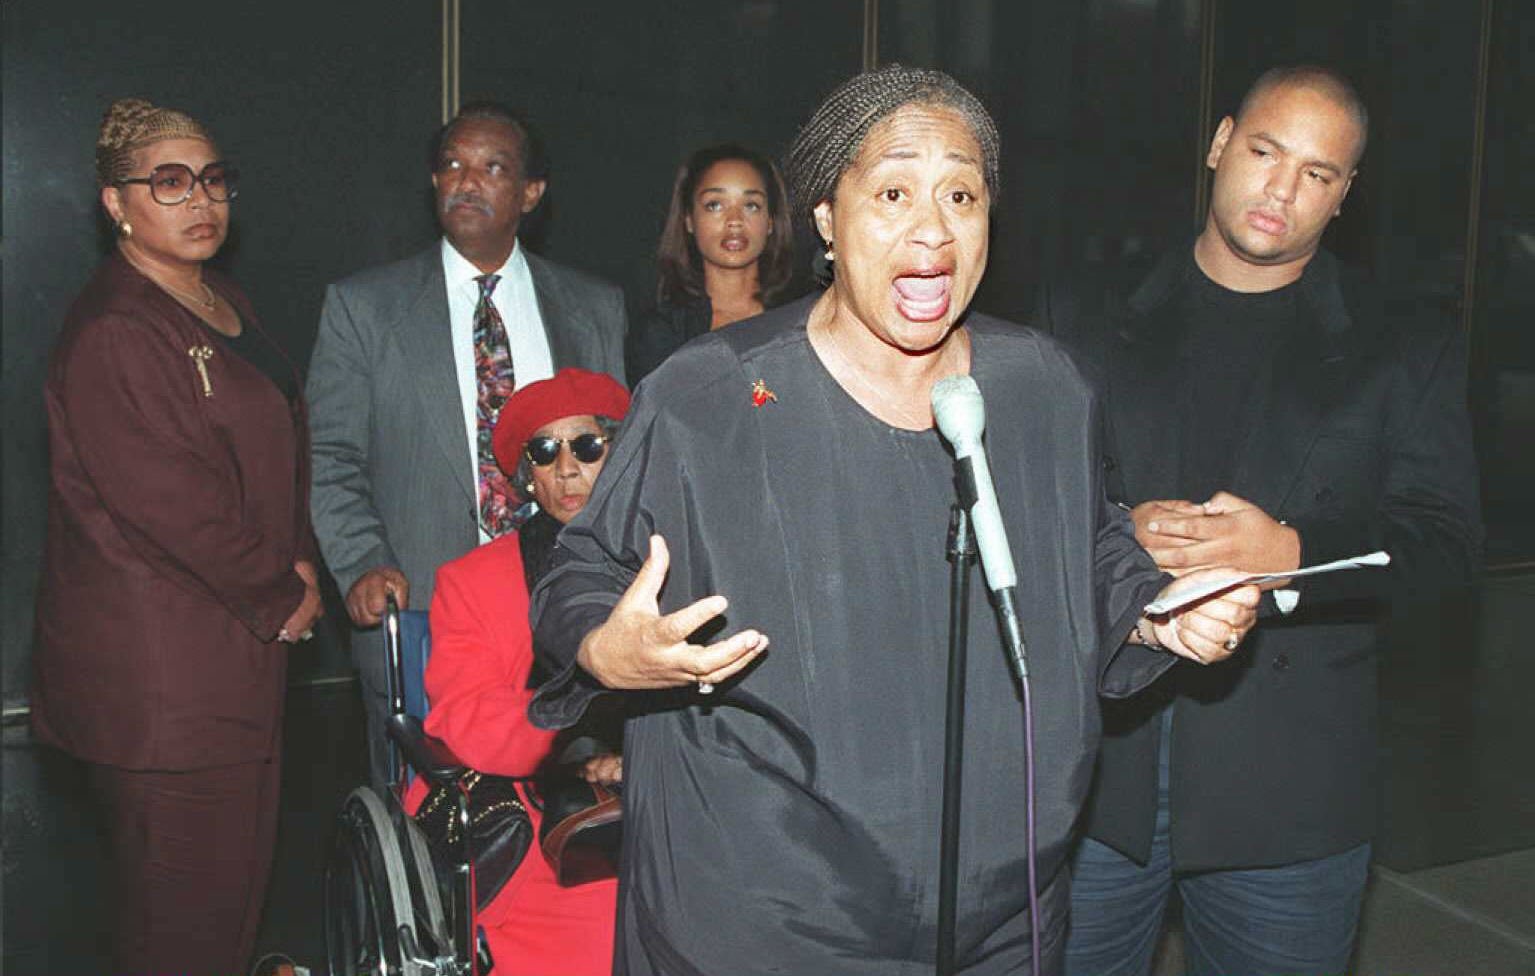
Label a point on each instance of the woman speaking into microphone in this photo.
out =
(762, 566)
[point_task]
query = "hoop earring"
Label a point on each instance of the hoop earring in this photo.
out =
(124, 229)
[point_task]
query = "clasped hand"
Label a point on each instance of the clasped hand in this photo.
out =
(606, 769)
(639, 647)
(1225, 531)
(1202, 541)
(1210, 630)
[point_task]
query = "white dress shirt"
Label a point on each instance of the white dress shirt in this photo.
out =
(517, 302)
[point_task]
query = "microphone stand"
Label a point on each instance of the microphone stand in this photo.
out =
(960, 413)
(962, 553)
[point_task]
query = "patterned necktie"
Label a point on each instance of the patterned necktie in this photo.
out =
(495, 379)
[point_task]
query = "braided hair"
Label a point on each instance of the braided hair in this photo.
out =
(827, 145)
(131, 124)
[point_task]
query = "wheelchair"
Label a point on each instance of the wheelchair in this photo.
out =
(391, 907)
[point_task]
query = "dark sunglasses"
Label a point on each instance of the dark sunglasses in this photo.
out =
(586, 447)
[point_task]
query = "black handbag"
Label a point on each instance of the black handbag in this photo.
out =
(500, 831)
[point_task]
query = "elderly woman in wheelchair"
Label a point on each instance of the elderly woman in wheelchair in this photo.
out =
(475, 766)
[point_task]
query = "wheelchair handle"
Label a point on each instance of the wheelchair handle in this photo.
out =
(396, 673)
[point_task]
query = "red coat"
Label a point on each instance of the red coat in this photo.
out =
(476, 681)
(174, 520)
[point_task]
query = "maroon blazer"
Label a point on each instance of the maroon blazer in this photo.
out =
(174, 520)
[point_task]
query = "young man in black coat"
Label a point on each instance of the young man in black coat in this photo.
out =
(1331, 426)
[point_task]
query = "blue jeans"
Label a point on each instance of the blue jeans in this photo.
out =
(1295, 920)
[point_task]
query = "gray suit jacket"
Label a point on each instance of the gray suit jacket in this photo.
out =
(391, 479)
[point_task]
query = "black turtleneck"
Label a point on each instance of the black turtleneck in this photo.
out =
(1229, 337)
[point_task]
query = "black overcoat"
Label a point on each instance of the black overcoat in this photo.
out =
(788, 823)
(1356, 434)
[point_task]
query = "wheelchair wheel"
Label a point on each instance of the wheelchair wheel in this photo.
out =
(367, 892)
(426, 892)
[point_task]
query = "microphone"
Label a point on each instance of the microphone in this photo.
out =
(960, 413)
(961, 416)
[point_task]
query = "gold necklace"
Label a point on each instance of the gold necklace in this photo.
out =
(207, 301)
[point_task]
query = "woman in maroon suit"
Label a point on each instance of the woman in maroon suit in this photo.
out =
(179, 562)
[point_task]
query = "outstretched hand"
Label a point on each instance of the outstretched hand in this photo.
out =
(638, 647)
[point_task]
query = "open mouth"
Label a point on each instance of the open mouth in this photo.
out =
(923, 296)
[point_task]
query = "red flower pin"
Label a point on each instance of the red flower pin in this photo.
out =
(761, 394)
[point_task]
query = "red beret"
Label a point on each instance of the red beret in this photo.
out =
(568, 393)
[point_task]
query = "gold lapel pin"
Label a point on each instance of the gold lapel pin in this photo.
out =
(200, 355)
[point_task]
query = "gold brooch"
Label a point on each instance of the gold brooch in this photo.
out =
(200, 355)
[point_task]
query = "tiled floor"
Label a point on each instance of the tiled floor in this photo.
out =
(1453, 891)
(1476, 918)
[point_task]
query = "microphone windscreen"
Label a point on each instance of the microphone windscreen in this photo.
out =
(959, 412)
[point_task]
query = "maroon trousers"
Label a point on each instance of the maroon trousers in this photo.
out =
(192, 853)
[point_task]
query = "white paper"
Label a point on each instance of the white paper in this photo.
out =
(1167, 604)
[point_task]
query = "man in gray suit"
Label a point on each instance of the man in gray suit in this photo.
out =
(411, 363)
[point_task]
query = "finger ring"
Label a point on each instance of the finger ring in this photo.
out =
(705, 687)
(1233, 641)
(306, 635)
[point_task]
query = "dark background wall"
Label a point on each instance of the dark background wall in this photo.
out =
(1105, 109)
(624, 91)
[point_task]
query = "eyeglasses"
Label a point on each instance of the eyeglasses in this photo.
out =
(586, 447)
(173, 183)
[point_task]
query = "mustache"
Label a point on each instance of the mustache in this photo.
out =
(468, 199)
